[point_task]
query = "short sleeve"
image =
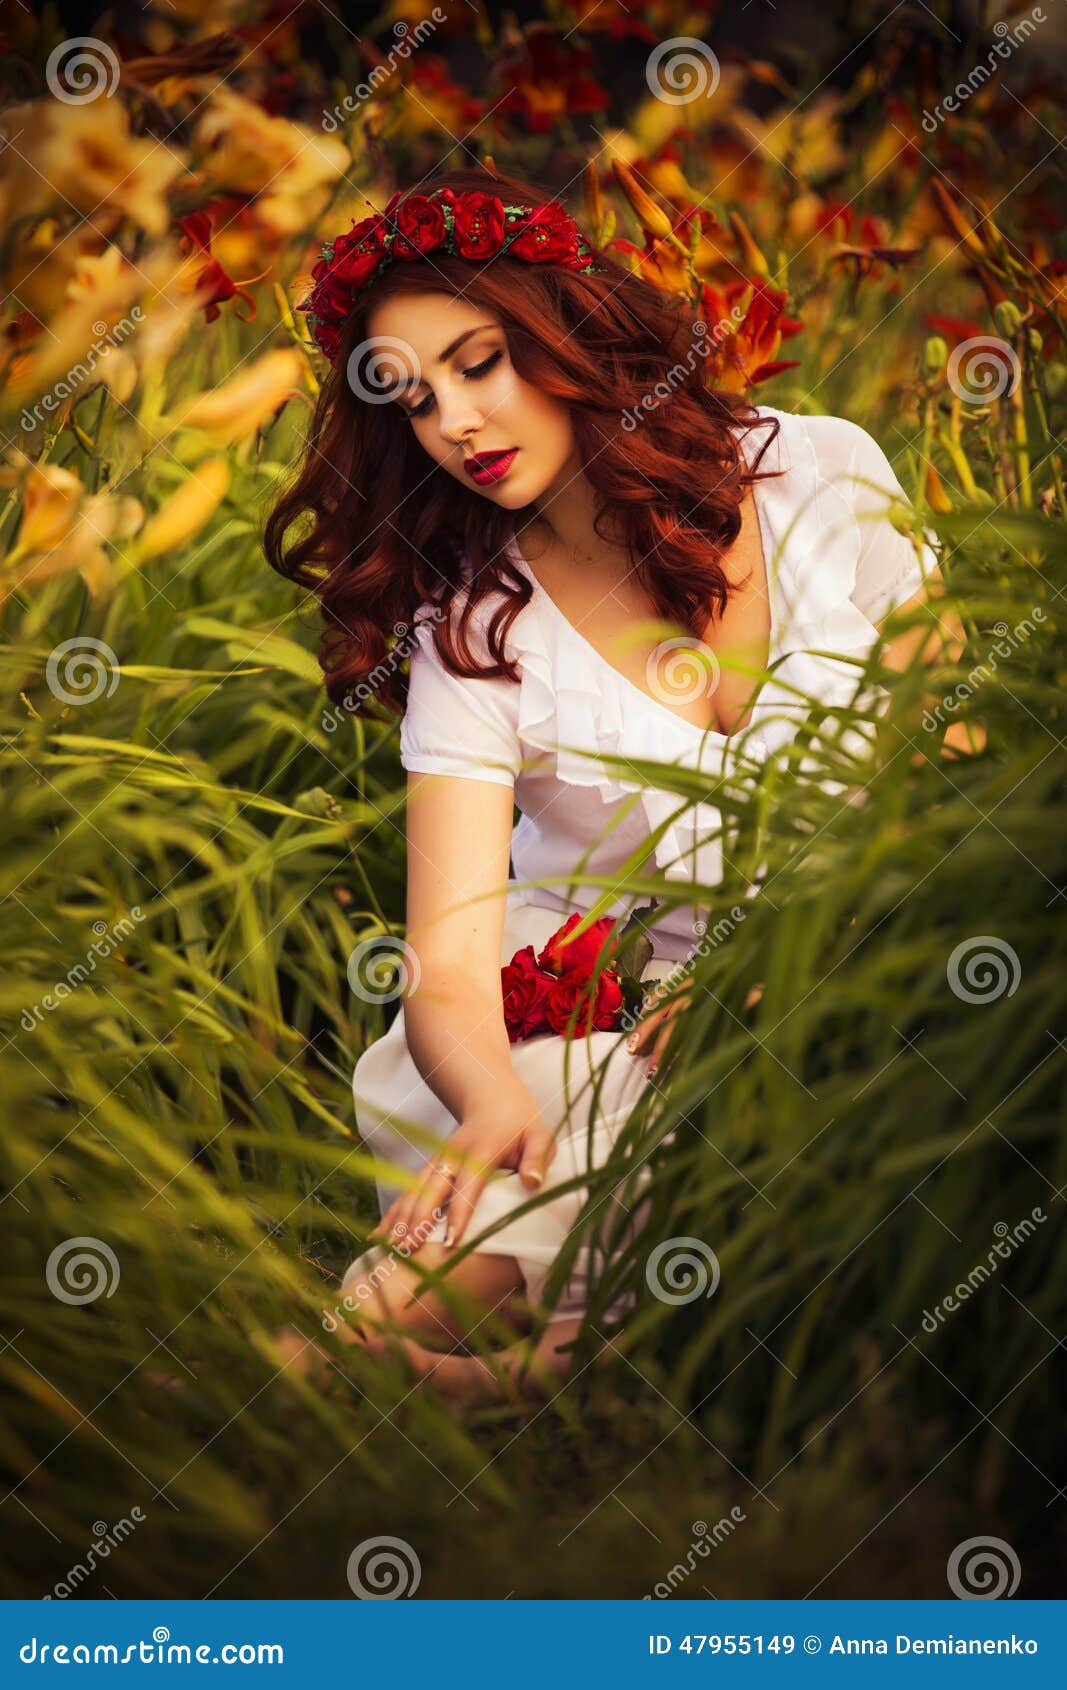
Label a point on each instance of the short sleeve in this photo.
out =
(454, 725)
(890, 569)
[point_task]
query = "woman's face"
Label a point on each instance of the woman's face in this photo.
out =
(462, 397)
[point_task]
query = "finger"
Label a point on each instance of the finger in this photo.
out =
(642, 1035)
(381, 1228)
(462, 1206)
(539, 1147)
(435, 1193)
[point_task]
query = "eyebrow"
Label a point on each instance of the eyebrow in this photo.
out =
(453, 347)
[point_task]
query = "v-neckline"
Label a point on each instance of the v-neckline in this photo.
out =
(714, 734)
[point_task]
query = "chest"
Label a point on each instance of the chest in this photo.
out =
(712, 683)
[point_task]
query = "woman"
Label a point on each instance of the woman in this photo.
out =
(518, 457)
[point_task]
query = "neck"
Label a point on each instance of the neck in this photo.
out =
(565, 522)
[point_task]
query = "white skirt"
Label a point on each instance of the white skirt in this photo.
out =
(391, 1095)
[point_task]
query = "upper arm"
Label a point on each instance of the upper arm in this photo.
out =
(459, 742)
(459, 841)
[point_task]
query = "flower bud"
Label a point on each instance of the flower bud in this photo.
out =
(1007, 316)
(935, 355)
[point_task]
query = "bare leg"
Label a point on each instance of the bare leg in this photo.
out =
(394, 1304)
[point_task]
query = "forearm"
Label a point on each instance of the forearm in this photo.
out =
(458, 1041)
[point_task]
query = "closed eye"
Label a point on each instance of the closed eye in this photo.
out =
(474, 374)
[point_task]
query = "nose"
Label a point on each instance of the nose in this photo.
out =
(460, 420)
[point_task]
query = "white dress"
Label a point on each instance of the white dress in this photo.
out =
(836, 566)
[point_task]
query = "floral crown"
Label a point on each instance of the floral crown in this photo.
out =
(472, 225)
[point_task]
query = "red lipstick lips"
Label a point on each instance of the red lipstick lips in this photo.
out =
(486, 467)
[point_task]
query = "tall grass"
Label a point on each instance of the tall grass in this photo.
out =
(848, 1146)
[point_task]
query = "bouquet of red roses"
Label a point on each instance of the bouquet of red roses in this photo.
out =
(542, 991)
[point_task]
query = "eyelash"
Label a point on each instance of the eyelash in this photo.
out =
(475, 373)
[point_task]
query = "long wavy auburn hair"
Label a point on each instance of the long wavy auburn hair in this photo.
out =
(391, 531)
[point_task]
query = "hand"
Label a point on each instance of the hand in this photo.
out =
(654, 1028)
(509, 1134)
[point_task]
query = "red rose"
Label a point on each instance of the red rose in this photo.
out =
(580, 955)
(421, 226)
(478, 225)
(525, 990)
(573, 989)
(367, 232)
(335, 291)
(546, 234)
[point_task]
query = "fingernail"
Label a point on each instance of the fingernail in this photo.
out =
(631, 1043)
(535, 1177)
(652, 1070)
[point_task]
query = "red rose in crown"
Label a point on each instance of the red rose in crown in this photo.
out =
(559, 990)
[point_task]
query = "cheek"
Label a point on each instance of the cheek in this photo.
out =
(546, 425)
